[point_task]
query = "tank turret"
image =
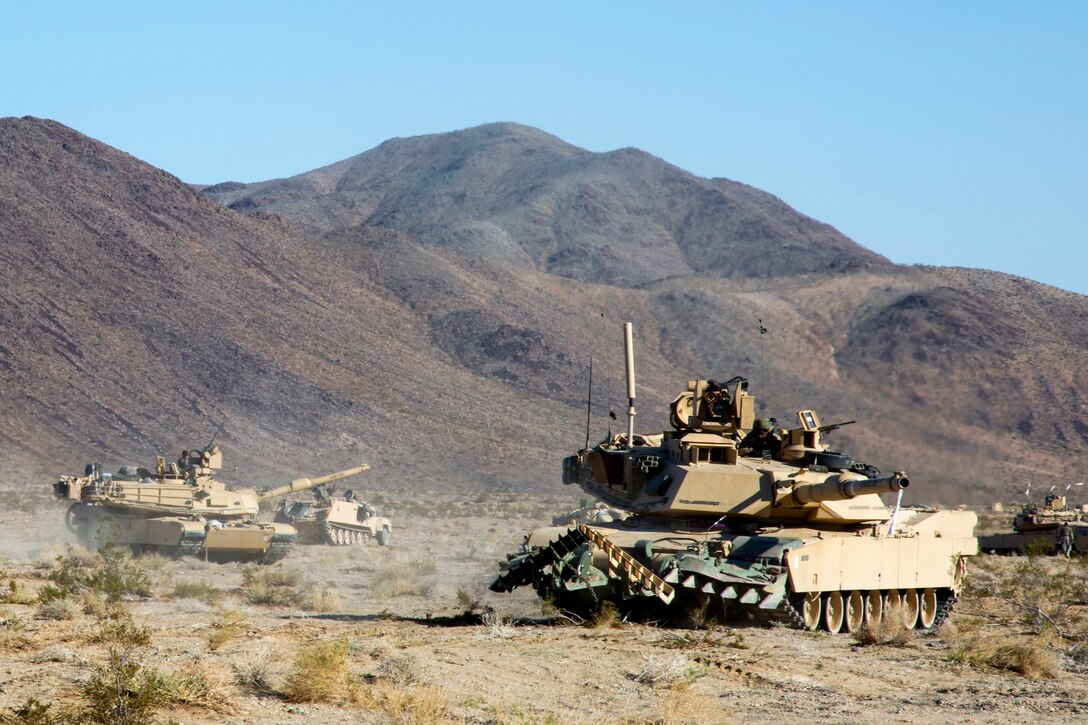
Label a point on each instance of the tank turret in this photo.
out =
(741, 516)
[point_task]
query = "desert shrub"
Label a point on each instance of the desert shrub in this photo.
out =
(195, 685)
(112, 572)
(668, 672)
(121, 690)
(32, 712)
(606, 617)
(714, 639)
(320, 674)
(683, 706)
(224, 628)
(57, 609)
(404, 579)
(201, 590)
(985, 648)
(255, 670)
(321, 599)
(1038, 593)
(287, 587)
(496, 625)
(16, 593)
(121, 633)
(419, 705)
(401, 669)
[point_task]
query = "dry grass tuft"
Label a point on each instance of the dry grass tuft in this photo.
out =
(401, 669)
(320, 674)
(17, 593)
(673, 671)
(59, 609)
(198, 684)
(287, 587)
(497, 626)
(321, 599)
(890, 630)
(201, 590)
(683, 706)
(988, 648)
(420, 705)
(255, 671)
(224, 628)
(404, 579)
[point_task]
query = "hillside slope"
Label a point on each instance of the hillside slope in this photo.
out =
(139, 314)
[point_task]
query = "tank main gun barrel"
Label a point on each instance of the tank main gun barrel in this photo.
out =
(304, 484)
(838, 490)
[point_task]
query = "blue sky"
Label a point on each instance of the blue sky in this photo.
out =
(931, 132)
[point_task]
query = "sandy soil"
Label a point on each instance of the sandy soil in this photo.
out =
(403, 600)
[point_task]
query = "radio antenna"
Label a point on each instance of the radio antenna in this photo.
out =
(629, 354)
(589, 402)
(762, 370)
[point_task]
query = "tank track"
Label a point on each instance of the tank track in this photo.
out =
(360, 536)
(277, 551)
(945, 610)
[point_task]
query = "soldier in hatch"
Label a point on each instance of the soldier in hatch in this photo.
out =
(761, 439)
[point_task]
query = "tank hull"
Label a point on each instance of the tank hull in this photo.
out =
(1047, 540)
(810, 578)
(338, 523)
(210, 539)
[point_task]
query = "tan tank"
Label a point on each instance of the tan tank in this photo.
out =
(1051, 528)
(337, 521)
(730, 516)
(181, 508)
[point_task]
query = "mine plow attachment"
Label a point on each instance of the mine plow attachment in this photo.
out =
(636, 579)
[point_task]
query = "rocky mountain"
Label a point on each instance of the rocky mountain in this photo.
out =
(430, 306)
(518, 195)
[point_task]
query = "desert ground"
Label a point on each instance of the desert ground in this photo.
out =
(409, 633)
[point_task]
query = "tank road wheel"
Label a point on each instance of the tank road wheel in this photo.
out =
(910, 608)
(808, 606)
(928, 608)
(833, 611)
(383, 537)
(874, 607)
(353, 538)
(339, 537)
(855, 611)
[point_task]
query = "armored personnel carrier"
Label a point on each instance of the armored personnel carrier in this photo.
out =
(1051, 528)
(728, 518)
(335, 521)
(180, 508)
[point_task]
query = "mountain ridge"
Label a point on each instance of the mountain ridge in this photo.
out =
(142, 313)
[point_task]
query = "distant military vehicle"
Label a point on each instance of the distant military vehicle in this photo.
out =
(1051, 528)
(731, 518)
(180, 508)
(335, 521)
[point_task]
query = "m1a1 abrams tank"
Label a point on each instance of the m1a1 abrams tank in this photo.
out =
(730, 518)
(1050, 528)
(335, 521)
(180, 509)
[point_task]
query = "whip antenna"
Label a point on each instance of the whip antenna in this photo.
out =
(629, 354)
(762, 370)
(589, 402)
